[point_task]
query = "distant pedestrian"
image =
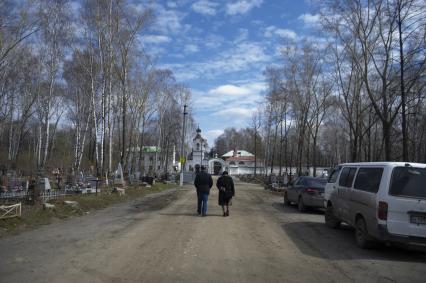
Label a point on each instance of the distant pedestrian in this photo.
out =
(226, 188)
(203, 183)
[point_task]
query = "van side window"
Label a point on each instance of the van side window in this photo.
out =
(368, 179)
(347, 177)
(334, 175)
(344, 176)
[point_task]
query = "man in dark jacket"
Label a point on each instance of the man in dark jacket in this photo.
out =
(203, 182)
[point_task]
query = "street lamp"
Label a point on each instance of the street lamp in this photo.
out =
(182, 155)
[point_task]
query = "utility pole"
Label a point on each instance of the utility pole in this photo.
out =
(201, 161)
(182, 155)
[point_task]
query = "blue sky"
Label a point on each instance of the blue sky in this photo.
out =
(219, 49)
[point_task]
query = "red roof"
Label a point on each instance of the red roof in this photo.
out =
(241, 158)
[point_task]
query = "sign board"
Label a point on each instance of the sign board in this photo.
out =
(182, 160)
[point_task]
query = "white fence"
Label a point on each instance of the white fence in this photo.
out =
(56, 194)
(9, 211)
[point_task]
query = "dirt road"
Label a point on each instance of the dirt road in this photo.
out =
(160, 239)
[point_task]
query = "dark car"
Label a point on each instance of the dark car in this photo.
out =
(306, 192)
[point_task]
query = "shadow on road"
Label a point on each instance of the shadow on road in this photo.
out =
(293, 209)
(189, 214)
(316, 239)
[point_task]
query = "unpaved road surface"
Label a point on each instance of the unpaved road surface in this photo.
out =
(160, 239)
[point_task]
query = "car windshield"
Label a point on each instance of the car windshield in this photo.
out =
(317, 183)
(408, 181)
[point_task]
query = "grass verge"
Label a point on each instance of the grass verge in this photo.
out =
(35, 216)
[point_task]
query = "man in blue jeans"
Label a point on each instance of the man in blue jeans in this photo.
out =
(203, 183)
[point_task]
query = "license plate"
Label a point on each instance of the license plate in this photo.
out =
(418, 219)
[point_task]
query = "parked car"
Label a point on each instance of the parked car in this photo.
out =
(383, 201)
(305, 192)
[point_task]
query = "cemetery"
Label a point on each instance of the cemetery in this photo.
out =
(32, 201)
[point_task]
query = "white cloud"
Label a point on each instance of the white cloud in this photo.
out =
(236, 112)
(242, 36)
(284, 33)
(246, 94)
(213, 41)
(205, 7)
(191, 48)
(245, 56)
(228, 105)
(168, 20)
(242, 6)
(229, 89)
(213, 134)
(156, 39)
(171, 4)
(309, 19)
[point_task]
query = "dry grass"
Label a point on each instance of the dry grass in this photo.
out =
(35, 216)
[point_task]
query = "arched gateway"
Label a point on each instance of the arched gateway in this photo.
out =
(216, 166)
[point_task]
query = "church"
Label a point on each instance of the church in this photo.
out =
(236, 162)
(198, 156)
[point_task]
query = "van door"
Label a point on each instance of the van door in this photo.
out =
(407, 202)
(343, 193)
(331, 186)
(364, 195)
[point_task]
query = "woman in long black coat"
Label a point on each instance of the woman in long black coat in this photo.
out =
(225, 185)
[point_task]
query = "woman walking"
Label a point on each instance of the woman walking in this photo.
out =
(225, 185)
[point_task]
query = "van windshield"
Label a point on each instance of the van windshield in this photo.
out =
(408, 181)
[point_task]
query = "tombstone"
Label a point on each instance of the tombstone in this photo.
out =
(92, 182)
(70, 179)
(44, 184)
(32, 192)
(148, 180)
(119, 178)
(285, 179)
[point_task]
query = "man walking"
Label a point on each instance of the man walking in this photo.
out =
(203, 183)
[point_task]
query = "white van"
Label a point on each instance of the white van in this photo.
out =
(383, 201)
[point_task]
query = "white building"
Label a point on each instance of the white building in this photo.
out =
(236, 162)
(240, 162)
(198, 156)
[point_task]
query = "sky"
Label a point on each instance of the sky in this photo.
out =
(220, 49)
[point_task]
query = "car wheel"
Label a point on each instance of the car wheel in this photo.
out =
(330, 220)
(300, 205)
(363, 240)
(286, 200)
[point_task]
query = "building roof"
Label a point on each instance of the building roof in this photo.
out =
(198, 135)
(241, 158)
(241, 153)
(151, 149)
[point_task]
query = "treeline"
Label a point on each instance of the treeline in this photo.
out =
(355, 94)
(77, 88)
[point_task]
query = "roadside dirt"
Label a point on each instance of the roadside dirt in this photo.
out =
(161, 239)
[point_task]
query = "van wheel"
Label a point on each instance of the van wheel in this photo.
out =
(363, 240)
(286, 200)
(300, 205)
(330, 220)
